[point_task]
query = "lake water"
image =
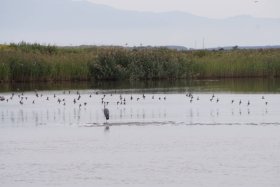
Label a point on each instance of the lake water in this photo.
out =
(202, 133)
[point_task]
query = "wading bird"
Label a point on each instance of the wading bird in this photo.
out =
(106, 114)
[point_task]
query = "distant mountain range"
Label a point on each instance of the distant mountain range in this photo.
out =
(66, 22)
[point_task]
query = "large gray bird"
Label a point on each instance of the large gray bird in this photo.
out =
(106, 113)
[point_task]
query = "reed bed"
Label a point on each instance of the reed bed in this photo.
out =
(239, 64)
(25, 62)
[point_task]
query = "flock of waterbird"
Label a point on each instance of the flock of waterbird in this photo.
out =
(61, 100)
(119, 99)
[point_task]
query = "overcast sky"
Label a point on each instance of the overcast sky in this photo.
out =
(65, 22)
(207, 8)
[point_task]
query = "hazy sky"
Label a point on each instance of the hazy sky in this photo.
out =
(208, 8)
(65, 22)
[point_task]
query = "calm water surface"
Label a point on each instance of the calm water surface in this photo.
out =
(226, 133)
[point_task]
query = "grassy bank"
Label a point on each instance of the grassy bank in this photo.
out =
(34, 62)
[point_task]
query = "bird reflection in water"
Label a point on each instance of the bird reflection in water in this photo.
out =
(48, 108)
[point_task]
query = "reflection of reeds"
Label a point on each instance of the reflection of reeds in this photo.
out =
(35, 62)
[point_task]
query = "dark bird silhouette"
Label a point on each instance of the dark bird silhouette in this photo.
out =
(106, 113)
(2, 98)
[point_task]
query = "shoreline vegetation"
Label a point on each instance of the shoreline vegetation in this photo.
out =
(24, 62)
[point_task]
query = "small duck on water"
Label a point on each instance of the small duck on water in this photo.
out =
(2, 98)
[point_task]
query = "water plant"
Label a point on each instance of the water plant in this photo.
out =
(36, 62)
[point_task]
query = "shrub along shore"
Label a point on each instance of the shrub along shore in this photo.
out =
(25, 62)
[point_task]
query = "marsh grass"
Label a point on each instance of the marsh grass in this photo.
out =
(239, 63)
(25, 62)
